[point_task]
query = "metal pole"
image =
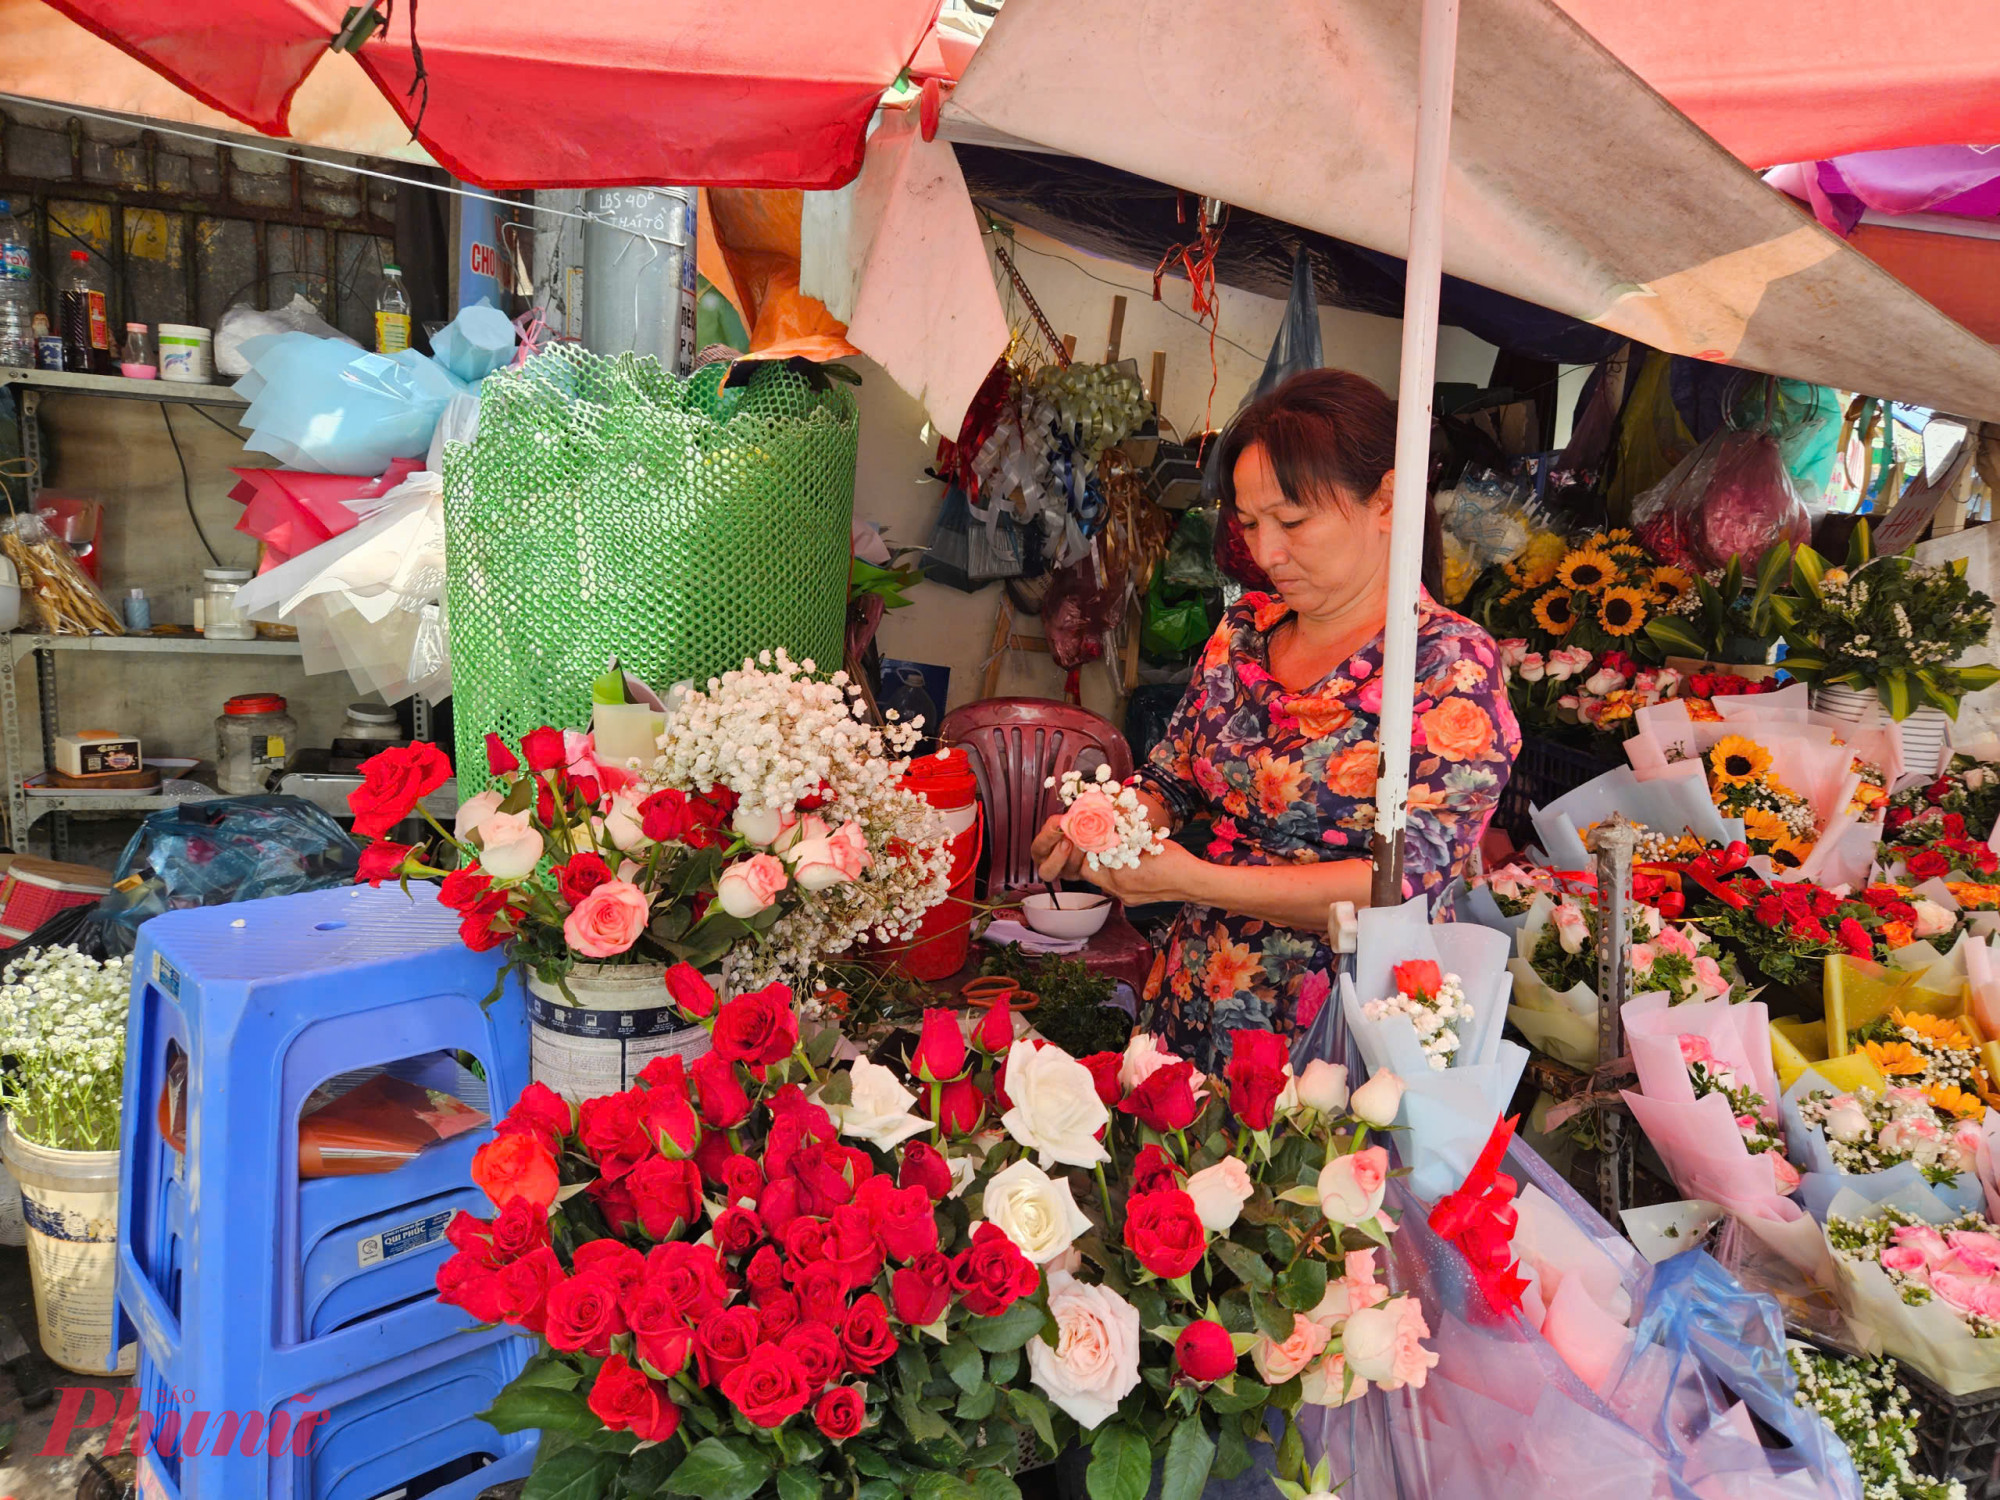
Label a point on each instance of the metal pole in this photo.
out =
(1437, 56)
(1614, 844)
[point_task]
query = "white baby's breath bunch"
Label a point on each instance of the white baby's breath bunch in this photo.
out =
(1870, 1411)
(777, 738)
(62, 1019)
(1105, 820)
(1434, 1018)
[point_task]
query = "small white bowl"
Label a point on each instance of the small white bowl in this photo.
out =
(1082, 913)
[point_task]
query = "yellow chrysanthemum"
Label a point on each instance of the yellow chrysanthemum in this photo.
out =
(1588, 568)
(1954, 1101)
(1764, 826)
(1789, 853)
(1895, 1059)
(1668, 584)
(1736, 760)
(1555, 612)
(1936, 1030)
(1621, 611)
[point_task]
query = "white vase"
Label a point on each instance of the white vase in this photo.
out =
(70, 1202)
(620, 1021)
(1925, 736)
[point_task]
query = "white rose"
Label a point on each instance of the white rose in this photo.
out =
(622, 824)
(1846, 1122)
(1144, 1056)
(878, 1108)
(1604, 681)
(1351, 1186)
(509, 846)
(472, 812)
(1034, 1210)
(1933, 919)
(1328, 1384)
(1380, 1344)
(1094, 1363)
(1056, 1109)
(1219, 1193)
(1323, 1086)
(762, 826)
(1377, 1100)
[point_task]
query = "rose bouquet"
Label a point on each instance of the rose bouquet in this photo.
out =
(1432, 1002)
(1895, 1137)
(772, 831)
(1964, 802)
(761, 1274)
(1927, 1293)
(1107, 823)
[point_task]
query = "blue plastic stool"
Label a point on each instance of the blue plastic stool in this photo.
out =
(248, 1288)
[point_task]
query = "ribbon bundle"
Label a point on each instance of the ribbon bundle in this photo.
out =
(1479, 1218)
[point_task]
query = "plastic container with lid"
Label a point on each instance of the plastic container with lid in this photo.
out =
(252, 739)
(371, 721)
(187, 353)
(220, 619)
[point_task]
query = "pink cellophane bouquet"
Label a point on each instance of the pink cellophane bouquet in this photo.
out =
(871, 1275)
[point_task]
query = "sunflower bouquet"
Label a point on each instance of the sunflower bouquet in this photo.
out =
(1935, 1055)
(1777, 821)
(1596, 595)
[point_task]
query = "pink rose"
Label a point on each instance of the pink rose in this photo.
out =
(1643, 957)
(1351, 1186)
(1976, 1250)
(1903, 1258)
(1091, 823)
(1986, 1300)
(1786, 1174)
(1708, 974)
(1356, 1287)
(1382, 1344)
(1922, 1238)
(1276, 1363)
(1695, 1049)
(1960, 1291)
(607, 921)
(822, 859)
(751, 885)
(1673, 940)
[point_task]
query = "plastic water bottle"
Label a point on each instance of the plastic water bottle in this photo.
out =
(392, 313)
(17, 291)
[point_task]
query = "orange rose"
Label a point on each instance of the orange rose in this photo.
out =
(1353, 775)
(1091, 823)
(516, 1166)
(1898, 934)
(1321, 717)
(1458, 729)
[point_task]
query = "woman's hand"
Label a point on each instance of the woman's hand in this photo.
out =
(1056, 858)
(1168, 874)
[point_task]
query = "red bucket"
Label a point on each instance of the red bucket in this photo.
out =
(944, 938)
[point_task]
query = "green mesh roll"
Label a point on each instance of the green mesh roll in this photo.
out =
(609, 508)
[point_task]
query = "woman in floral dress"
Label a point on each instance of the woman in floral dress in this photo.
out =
(1275, 742)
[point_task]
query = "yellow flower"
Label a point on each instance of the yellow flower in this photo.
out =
(1618, 534)
(1621, 611)
(1789, 853)
(1954, 1100)
(1935, 1030)
(1555, 612)
(1588, 568)
(1737, 761)
(1764, 826)
(1895, 1059)
(1511, 595)
(1668, 584)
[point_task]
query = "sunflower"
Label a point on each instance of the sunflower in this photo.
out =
(1895, 1059)
(1935, 1030)
(1588, 568)
(1738, 761)
(1954, 1100)
(1669, 584)
(1763, 825)
(1618, 534)
(1555, 612)
(1621, 611)
(1789, 853)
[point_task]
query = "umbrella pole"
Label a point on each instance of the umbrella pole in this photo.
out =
(1437, 57)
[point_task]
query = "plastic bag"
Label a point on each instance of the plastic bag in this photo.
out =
(330, 408)
(477, 342)
(948, 560)
(358, 1125)
(1296, 347)
(65, 602)
(1731, 497)
(1076, 613)
(212, 853)
(1190, 559)
(1174, 622)
(243, 322)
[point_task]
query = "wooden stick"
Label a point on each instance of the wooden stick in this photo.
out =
(1003, 629)
(1068, 347)
(1159, 378)
(1117, 330)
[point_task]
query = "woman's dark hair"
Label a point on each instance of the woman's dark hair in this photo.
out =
(1330, 436)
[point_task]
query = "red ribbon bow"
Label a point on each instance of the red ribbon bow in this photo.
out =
(1708, 870)
(1479, 1218)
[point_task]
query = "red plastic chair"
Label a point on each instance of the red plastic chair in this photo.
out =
(1015, 746)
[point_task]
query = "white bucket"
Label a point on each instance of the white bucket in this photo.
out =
(1925, 736)
(70, 1202)
(14, 1228)
(186, 353)
(622, 1021)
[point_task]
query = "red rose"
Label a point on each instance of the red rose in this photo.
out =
(1418, 977)
(583, 874)
(1824, 902)
(822, 1292)
(693, 994)
(545, 804)
(724, 1341)
(471, 1233)
(520, 1228)
(1927, 864)
(719, 1092)
(1165, 1101)
(959, 1106)
(1897, 817)
(866, 1335)
(922, 1290)
(667, 1195)
(742, 1178)
(765, 1273)
(805, 1241)
(777, 1315)
(841, 1413)
(852, 1247)
(692, 1277)
(381, 861)
(666, 816)
(585, 790)
(466, 1281)
(665, 1341)
(623, 1398)
(463, 888)
(1954, 825)
(1153, 1169)
(901, 1218)
(584, 1315)
(817, 1348)
(992, 1273)
(669, 1119)
(1257, 1068)
(612, 1129)
(613, 1258)
(1936, 792)
(524, 1288)
(758, 1029)
(995, 1032)
(544, 749)
(499, 759)
(614, 1201)
(769, 1388)
(1165, 1232)
(1204, 1351)
(541, 1111)
(941, 1052)
(1855, 939)
(393, 781)
(516, 1166)
(1104, 1068)
(737, 1231)
(487, 923)
(924, 1166)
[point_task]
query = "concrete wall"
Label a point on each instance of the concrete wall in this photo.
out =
(1075, 291)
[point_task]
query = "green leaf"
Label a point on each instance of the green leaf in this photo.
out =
(1894, 691)
(1305, 1284)
(1808, 567)
(1190, 1454)
(1772, 569)
(548, 1370)
(1671, 634)
(1291, 1452)
(924, 1424)
(821, 1045)
(977, 1405)
(1802, 659)
(838, 1089)
(1274, 1319)
(913, 1369)
(721, 1469)
(1936, 695)
(991, 1484)
(1033, 1410)
(1012, 1329)
(1121, 1464)
(1860, 544)
(520, 1407)
(879, 1489)
(647, 1470)
(1248, 1265)
(1732, 581)
(1232, 1454)
(573, 1474)
(934, 1484)
(1302, 1194)
(1972, 679)
(795, 1482)
(1003, 1366)
(962, 1363)
(1785, 611)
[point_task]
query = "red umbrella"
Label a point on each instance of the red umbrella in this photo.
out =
(609, 93)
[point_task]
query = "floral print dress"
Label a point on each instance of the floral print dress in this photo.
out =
(1289, 778)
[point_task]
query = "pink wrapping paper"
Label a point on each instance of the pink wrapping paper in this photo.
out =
(291, 511)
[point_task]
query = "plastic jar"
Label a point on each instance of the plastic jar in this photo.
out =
(251, 739)
(371, 721)
(221, 620)
(186, 353)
